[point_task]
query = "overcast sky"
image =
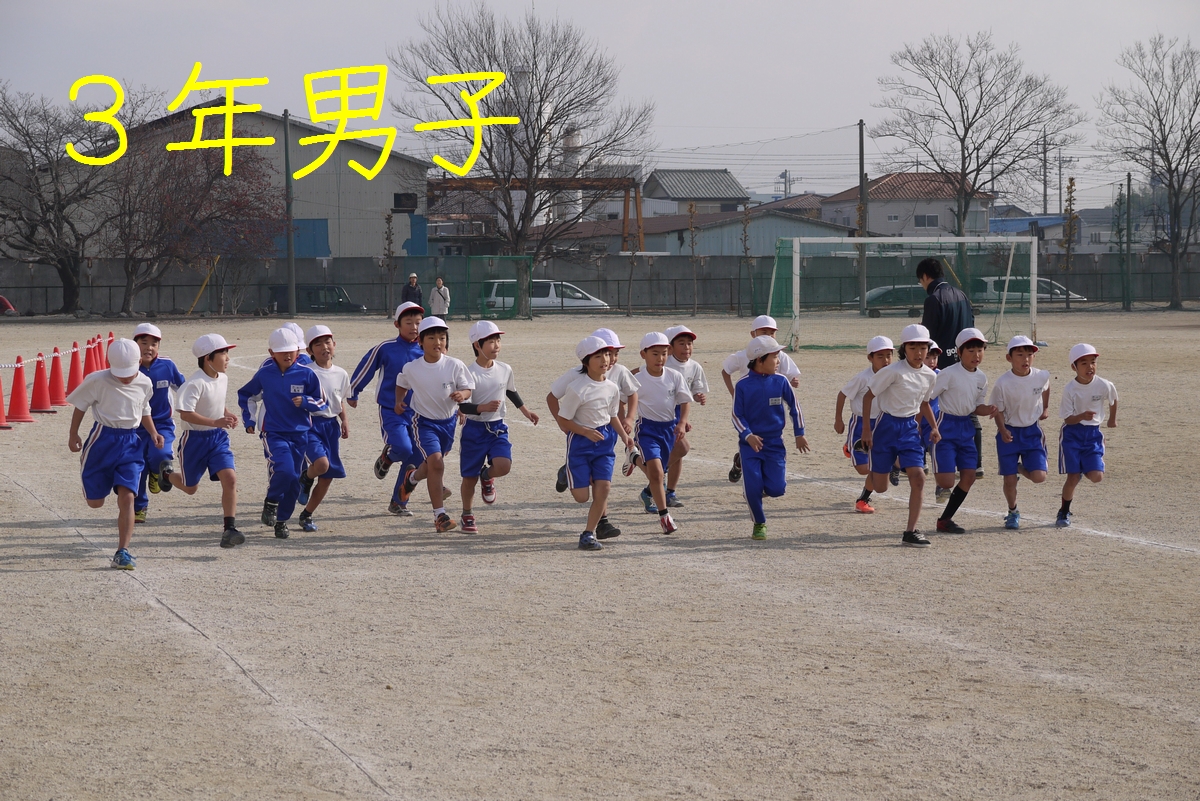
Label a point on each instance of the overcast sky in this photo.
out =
(720, 73)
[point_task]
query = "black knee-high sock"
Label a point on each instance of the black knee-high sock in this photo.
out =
(866, 495)
(1066, 507)
(957, 496)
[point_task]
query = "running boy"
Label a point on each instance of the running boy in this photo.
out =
(879, 354)
(735, 366)
(1080, 443)
(1021, 397)
(204, 445)
(680, 360)
(902, 392)
(758, 418)
(438, 383)
(959, 390)
(290, 393)
(112, 459)
(588, 414)
(931, 361)
(388, 358)
(164, 377)
(662, 396)
(486, 453)
(329, 425)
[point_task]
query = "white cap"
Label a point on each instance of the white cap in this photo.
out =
(1021, 342)
(764, 321)
(412, 275)
(877, 344)
(1081, 350)
(914, 333)
(405, 306)
(431, 322)
(934, 347)
(147, 328)
(283, 340)
(207, 343)
(589, 345)
(654, 338)
(482, 329)
(298, 331)
(966, 335)
(761, 346)
(676, 331)
(315, 332)
(609, 336)
(124, 357)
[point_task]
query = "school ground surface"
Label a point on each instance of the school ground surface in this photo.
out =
(377, 659)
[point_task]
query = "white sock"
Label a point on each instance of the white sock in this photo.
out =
(441, 510)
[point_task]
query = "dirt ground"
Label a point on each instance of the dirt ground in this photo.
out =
(377, 659)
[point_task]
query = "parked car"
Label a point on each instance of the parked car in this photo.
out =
(325, 298)
(545, 295)
(989, 289)
(908, 296)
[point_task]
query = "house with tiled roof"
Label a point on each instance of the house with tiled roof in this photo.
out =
(910, 204)
(713, 191)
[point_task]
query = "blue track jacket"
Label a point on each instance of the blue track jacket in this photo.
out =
(163, 374)
(277, 390)
(758, 406)
(389, 357)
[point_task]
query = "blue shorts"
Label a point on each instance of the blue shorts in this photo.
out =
(328, 431)
(589, 461)
(204, 450)
(432, 436)
(396, 430)
(853, 435)
(895, 438)
(654, 440)
(1028, 446)
(1080, 449)
(111, 458)
(956, 450)
(482, 442)
(154, 457)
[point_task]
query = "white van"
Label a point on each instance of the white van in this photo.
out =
(544, 296)
(989, 290)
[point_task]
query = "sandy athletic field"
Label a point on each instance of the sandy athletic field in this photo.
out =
(377, 659)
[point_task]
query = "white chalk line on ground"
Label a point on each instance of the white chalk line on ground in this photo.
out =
(237, 663)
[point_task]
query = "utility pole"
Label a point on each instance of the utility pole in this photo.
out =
(1045, 174)
(1060, 162)
(862, 221)
(1127, 305)
(291, 250)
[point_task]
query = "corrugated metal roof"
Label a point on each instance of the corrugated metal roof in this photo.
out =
(806, 202)
(695, 185)
(908, 186)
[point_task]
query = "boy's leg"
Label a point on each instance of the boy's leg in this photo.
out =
(468, 493)
(125, 499)
(1095, 476)
(1010, 490)
(228, 479)
(916, 486)
(435, 468)
(1068, 492)
(500, 467)
(320, 489)
(675, 466)
(752, 482)
(599, 503)
(774, 469)
(654, 475)
(286, 461)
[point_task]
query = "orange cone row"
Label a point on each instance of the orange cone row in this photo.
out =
(49, 389)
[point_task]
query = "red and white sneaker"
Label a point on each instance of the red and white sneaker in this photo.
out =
(633, 460)
(487, 489)
(468, 524)
(862, 507)
(668, 524)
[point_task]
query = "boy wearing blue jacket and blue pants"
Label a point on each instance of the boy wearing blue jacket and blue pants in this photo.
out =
(758, 417)
(164, 376)
(290, 392)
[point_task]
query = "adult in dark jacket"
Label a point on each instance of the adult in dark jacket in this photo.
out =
(947, 312)
(411, 293)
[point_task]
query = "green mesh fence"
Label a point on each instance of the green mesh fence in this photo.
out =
(491, 287)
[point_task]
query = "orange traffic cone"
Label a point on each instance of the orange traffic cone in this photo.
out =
(18, 403)
(93, 358)
(87, 359)
(58, 395)
(41, 389)
(111, 338)
(4, 426)
(76, 374)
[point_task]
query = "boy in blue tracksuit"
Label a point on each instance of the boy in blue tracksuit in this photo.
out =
(164, 376)
(758, 416)
(388, 358)
(290, 391)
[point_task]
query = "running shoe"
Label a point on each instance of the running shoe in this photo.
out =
(164, 475)
(306, 485)
(383, 464)
(864, 507)
(468, 524)
(648, 501)
(268, 513)
(894, 478)
(444, 523)
(1063, 519)
(668, 524)
(281, 530)
(950, 527)
(760, 531)
(232, 537)
(588, 542)
(139, 515)
(561, 484)
(1012, 520)
(487, 487)
(672, 501)
(123, 560)
(632, 459)
(447, 493)
(914, 539)
(941, 495)
(735, 472)
(846, 450)
(606, 530)
(405, 491)
(400, 509)
(306, 522)
(152, 482)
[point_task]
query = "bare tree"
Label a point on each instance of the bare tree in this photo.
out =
(973, 113)
(1154, 123)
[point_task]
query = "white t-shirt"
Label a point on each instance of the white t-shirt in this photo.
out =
(735, 366)
(960, 390)
(204, 395)
(490, 384)
(693, 374)
(900, 389)
(1019, 398)
(659, 396)
(1095, 396)
(432, 384)
(626, 382)
(590, 403)
(856, 388)
(113, 403)
(335, 383)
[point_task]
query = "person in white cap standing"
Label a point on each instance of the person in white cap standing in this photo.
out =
(879, 356)
(662, 396)
(330, 425)
(485, 451)
(166, 378)
(1081, 443)
(734, 368)
(111, 459)
(204, 445)
(290, 392)
(1022, 399)
(680, 359)
(901, 391)
(411, 292)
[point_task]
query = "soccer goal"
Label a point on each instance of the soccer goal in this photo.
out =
(876, 276)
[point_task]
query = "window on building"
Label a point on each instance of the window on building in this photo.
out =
(925, 221)
(404, 202)
(846, 221)
(893, 218)
(612, 215)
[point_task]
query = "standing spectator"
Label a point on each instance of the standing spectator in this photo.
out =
(947, 312)
(439, 300)
(411, 293)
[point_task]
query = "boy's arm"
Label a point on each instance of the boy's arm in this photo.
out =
(364, 373)
(1112, 415)
(200, 420)
(868, 400)
(681, 427)
(148, 424)
(248, 390)
(74, 443)
(552, 406)
(1045, 403)
(797, 418)
(728, 383)
(839, 424)
(927, 412)
(630, 411)
(620, 429)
